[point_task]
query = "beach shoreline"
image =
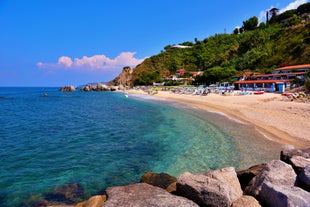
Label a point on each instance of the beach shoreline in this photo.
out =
(277, 119)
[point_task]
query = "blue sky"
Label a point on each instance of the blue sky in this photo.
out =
(73, 42)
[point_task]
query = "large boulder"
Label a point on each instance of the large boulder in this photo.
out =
(246, 201)
(161, 180)
(289, 152)
(276, 172)
(216, 188)
(299, 163)
(284, 196)
(143, 194)
(245, 176)
(304, 179)
(274, 186)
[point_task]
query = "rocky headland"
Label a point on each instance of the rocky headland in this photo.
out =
(283, 182)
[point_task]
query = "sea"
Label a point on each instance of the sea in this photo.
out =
(50, 138)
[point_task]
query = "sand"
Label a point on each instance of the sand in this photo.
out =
(278, 119)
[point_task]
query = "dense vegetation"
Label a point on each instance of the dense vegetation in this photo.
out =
(283, 40)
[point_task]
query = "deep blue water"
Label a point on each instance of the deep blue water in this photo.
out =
(105, 139)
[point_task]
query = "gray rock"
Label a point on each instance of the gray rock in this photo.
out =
(284, 196)
(141, 195)
(216, 188)
(246, 201)
(289, 152)
(304, 179)
(299, 163)
(276, 173)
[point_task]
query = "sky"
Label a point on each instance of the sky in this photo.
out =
(74, 42)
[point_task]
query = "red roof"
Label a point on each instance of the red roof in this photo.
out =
(261, 81)
(280, 74)
(294, 67)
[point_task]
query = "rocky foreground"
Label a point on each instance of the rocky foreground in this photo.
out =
(284, 182)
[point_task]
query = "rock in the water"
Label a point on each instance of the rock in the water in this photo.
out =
(141, 195)
(102, 87)
(304, 179)
(161, 180)
(67, 88)
(284, 196)
(98, 87)
(246, 201)
(245, 176)
(216, 188)
(66, 194)
(276, 172)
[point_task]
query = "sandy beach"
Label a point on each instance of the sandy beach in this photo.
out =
(278, 119)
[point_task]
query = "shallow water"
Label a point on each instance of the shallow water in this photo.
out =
(105, 139)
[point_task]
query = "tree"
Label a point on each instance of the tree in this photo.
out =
(303, 9)
(272, 13)
(250, 24)
(262, 25)
(236, 30)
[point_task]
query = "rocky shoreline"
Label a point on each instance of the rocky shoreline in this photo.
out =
(283, 182)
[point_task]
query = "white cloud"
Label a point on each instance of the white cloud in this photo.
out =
(293, 5)
(66, 61)
(96, 62)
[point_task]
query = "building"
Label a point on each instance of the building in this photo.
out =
(278, 81)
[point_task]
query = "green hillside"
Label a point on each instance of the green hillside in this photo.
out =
(283, 40)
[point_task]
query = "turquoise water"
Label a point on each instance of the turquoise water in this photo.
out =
(105, 139)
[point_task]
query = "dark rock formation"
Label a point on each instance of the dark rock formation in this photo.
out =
(161, 180)
(141, 195)
(216, 188)
(245, 176)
